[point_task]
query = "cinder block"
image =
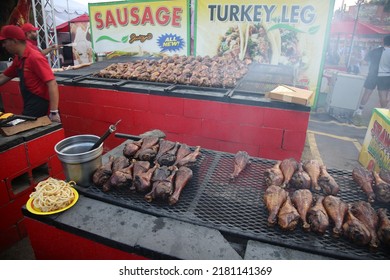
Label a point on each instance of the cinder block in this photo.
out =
(4, 197)
(13, 160)
(41, 148)
(294, 140)
(11, 213)
(166, 105)
(8, 237)
(202, 109)
(243, 114)
(19, 184)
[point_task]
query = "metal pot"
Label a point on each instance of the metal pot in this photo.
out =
(78, 162)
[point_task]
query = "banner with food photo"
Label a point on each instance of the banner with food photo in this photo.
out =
(293, 34)
(140, 27)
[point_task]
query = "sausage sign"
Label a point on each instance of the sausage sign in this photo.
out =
(141, 27)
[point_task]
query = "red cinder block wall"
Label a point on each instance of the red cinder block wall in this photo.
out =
(23, 167)
(264, 132)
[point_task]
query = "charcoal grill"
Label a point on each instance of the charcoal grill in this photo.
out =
(236, 208)
(260, 79)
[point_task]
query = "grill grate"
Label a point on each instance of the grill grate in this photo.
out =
(237, 207)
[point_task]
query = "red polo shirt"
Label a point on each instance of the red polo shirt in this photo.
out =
(37, 71)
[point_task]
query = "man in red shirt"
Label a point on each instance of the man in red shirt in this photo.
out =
(37, 82)
(32, 36)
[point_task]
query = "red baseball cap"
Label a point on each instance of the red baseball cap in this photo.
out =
(29, 27)
(12, 32)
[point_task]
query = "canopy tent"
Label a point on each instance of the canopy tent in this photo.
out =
(362, 28)
(64, 27)
(66, 10)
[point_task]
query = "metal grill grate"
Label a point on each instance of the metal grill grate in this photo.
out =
(237, 207)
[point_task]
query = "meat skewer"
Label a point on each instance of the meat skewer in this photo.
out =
(241, 160)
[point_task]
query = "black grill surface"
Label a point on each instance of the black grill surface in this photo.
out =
(237, 208)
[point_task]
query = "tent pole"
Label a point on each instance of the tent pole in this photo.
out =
(359, 3)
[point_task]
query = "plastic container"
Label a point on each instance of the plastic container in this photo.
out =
(78, 162)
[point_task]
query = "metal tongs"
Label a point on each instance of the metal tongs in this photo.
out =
(110, 130)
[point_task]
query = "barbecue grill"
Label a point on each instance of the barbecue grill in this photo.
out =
(260, 79)
(236, 207)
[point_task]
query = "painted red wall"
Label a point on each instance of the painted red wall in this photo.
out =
(264, 132)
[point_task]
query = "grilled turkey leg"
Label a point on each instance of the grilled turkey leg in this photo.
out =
(336, 209)
(317, 217)
(384, 227)
(355, 230)
(288, 216)
(288, 167)
(183, 175)
(312, 167)
(274, 176)
(302, 200)
(300, 179)
(327, 183)
(381, 189)
(274, 198)
(366, 214)
(364, 179)
(241, 160)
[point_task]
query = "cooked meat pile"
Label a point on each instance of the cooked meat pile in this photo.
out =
(290, 201)
(218, 71)
(155, 167)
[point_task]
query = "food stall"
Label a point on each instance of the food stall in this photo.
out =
(215, 218)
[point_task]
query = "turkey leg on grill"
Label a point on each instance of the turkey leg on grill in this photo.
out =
(122, 177)
(162, 186)
(302, 200)
(381, 189)
(169, 157)
(241, 159)
(131, 148)
(182, 152)
(312, 167)
(274, 197)
(142, 181)
(189, 158)
(355, 230)
(327, 183)
(103, 173)
(336, 209)
(274, 176)
(288, 216)
(317, 216)
(139, 168)
(364, 179)
(300, 179)
(148, 149)
(183, 175)
(288, 167)
(364, 212)
(384, 227)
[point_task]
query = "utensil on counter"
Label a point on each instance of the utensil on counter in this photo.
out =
(6, 122)
(110, 130)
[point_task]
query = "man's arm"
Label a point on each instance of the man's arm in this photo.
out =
(53, 94)
(49, 49)
(4, 79)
